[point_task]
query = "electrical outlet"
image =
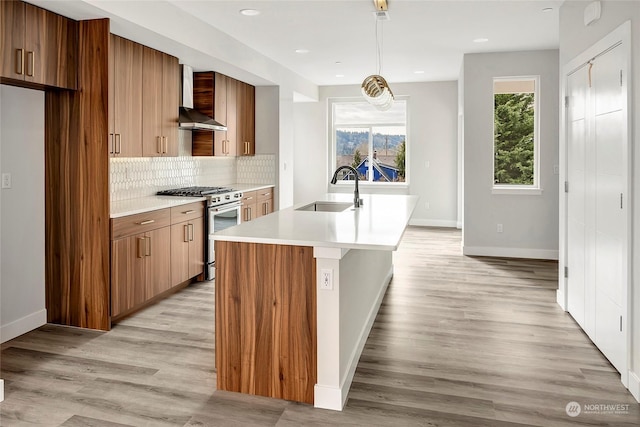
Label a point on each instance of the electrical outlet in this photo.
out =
(6, 180)
(427, 205)
(427, 164)
(556, 169)
(326, 279)
(499, 228)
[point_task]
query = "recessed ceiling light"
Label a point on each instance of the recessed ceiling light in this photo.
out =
(339, 75)
(547, 9)
(338, 63)
(480, 40)
(419, 72)
(302, 50)
(250, 12)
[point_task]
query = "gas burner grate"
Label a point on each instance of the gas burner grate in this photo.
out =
(194, 191)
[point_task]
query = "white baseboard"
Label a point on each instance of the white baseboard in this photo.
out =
(333, 397)
(560, 299)
(459, 225)
(510, 252)
(434, 223)
(1, 390)
(634, 385)
(23, 325)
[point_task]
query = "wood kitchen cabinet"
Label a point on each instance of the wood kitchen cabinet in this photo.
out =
(140, 259)
(187, 242)
(37, 46)
(265, 202)
(125, 97)
(230, 102)
(246, 119)
(160, 100)
(249, 206)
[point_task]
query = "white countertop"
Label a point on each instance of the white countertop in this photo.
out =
(378, 224)
(122, 208)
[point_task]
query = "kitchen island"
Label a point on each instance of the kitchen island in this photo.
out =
(297, 293)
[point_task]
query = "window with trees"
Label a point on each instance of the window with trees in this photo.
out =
(371, 141)
(515, 129)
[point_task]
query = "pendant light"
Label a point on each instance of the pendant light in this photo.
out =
(375, 88)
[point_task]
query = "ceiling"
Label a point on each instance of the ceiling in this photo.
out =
(423, 36)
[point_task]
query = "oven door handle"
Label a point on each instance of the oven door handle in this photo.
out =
(226, 208)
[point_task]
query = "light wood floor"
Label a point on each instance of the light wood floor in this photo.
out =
(458, 341)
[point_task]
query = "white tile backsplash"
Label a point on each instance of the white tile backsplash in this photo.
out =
(143, 176)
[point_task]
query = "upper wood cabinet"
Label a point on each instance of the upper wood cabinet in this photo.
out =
(125, 97)
(37, 46)
(232, 103)
(246, 119)
(160, 93)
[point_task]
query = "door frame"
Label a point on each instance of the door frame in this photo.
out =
(619, 36)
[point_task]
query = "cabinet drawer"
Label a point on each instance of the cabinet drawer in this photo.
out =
(139, 223)
(187, 212)
(249, 197)
(265, 194)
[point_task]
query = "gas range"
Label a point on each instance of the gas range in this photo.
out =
(216, 196)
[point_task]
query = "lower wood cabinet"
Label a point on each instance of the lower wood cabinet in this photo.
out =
(140, 269)
(265, 202)
(187, 242)
(249, 206)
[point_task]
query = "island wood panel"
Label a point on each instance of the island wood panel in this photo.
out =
(266, 320)
(77, 197)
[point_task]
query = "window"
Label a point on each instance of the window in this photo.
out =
(372, 142)
(515, 130)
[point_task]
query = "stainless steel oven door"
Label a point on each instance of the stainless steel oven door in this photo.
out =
(220, 218)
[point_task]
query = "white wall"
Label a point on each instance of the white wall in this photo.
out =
(268, 127)
(22, 276)
(530, 222)
(574, 39)
(432, 136)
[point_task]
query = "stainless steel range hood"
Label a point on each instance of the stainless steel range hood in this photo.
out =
(189, 118)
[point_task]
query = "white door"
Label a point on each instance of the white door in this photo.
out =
(597, 227)
(577, 85)
(610, 233)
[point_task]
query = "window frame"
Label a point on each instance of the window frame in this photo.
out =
(518, 189)
(331, 128)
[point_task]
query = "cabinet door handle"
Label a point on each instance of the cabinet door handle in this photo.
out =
(265, 194)
(118, 143)
(31, 62)
(190, 211)
(148, 239)
(191, 232)
(158, 144)
(250, 213)
(147, 221)
(165, 145)
(19, 61)
(264, 205)
(141, 251)
(111, 147)
(186, 232)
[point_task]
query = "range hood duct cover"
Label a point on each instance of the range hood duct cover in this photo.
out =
(190, 119)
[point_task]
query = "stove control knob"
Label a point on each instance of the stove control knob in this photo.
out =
(227, 197)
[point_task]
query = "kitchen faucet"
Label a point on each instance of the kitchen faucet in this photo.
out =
(357, 201)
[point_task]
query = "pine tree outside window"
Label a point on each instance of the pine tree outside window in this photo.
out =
(371, 141)
(515, 126)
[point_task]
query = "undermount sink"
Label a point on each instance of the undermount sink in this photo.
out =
(324, 206)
